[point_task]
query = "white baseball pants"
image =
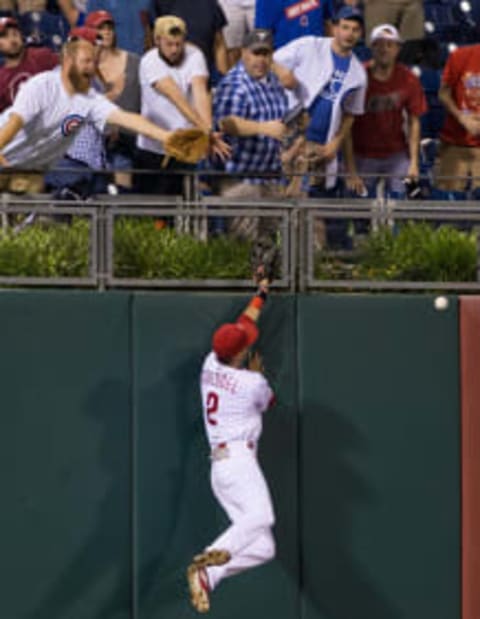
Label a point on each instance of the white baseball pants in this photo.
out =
(240, 487)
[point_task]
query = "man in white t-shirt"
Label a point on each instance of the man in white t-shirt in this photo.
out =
(234, 399)
(39, 127)
(174, 93)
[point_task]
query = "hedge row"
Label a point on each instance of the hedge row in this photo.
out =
(145, 249)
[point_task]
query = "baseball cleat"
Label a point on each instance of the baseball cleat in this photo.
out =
(211, 557)
(199, 588)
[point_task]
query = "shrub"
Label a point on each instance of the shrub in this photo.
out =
(143, 249)
(38, 251)
(413, 252)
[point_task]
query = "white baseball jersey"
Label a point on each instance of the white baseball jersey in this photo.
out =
(51, 118)
(155, 106)
(233, 401)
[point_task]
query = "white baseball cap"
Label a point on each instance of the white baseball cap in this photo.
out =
(385, 31)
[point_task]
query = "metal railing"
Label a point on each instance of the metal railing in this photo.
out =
(296, 221)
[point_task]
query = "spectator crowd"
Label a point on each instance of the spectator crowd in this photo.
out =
(299, 97)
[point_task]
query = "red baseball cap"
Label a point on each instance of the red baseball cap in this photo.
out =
(84, 33)
(8, 22)
(229, 339)
(98, 18)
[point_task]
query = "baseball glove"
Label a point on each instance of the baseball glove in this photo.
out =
(265, 259)
(187, 145)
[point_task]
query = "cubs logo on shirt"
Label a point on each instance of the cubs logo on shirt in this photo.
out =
(71, 124)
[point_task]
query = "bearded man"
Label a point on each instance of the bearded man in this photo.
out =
(39, 127)
(174, 94)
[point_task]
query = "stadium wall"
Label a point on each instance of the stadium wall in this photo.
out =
(105, 469)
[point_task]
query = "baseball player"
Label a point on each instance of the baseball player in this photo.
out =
(234, 399)
(50, 108)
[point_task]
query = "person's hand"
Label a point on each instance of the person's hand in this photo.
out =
(255, 363)
(327, 152)
(218, 147)
(228, 125)
(471, 123)
(413, 171)
(4, 163)
(274, 129)
(356, 185)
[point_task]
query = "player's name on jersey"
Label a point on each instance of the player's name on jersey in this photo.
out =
(221, 380)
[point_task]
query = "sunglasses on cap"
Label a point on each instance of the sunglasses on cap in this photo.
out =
(97, 41)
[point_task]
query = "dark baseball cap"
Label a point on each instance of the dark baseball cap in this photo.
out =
(258, 39)
(8, 22)
(349, 12)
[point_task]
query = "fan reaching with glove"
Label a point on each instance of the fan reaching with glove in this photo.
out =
(192, 145)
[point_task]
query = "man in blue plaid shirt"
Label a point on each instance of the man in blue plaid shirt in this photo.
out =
(248, 106)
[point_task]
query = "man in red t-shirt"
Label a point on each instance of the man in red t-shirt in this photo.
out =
(386, 139)
(459, 153)
(20, 62)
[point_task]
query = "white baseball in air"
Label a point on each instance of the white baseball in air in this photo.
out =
(440, 303)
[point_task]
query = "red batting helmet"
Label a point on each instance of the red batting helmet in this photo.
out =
(231, 338)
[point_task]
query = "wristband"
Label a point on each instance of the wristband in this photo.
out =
(257, 302)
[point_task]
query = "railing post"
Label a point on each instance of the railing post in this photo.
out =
(102, 248)
(476, 230)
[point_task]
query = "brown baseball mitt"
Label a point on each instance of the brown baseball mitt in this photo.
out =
(187, 145)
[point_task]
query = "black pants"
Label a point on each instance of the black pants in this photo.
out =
(167, 180)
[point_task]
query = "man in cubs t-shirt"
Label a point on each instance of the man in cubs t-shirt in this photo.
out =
(42, 122)
(51, 118)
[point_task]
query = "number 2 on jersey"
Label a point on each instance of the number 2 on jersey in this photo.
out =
(212, 407)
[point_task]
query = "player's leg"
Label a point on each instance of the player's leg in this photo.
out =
(241, 489)
(261, 550)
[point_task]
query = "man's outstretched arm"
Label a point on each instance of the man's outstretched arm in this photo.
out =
(137, 124)
(7, 132)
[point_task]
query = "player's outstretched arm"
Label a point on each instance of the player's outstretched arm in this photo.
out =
(137, 124)
(7, 132)
(254, 308)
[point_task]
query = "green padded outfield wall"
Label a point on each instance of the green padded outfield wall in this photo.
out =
(65, 456)
(104, 468)
(176, 514)
(380, 468)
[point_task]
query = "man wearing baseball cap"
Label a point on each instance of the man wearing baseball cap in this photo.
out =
(331, 87)
(380, 144)
(174, 93)
(249, 105)
(234, 399)
(20, 62)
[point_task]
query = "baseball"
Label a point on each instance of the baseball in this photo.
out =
(440, 303)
